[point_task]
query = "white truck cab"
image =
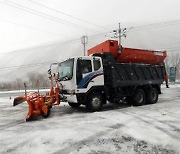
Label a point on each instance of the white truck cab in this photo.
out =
(78, 76)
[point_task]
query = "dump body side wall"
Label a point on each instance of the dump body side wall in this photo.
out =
(122, 79)
(133, 74)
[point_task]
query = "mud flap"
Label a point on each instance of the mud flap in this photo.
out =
(18, 100)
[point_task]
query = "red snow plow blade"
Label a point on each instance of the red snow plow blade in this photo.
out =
(18, 100)
(41, 104)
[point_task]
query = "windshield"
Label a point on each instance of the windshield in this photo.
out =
(66, 70)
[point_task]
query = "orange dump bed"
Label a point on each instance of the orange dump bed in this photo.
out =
(129, 55)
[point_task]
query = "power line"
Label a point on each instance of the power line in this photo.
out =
(29, 27)
(137, 28)
(169, 44)
(56, 43)
(39, 64)
(77, 40)
(175, 48)
(44, 15)
(48, 63)
(155, 25)
(67, 14)
(24, 66)
(90, 37)
(45, 63)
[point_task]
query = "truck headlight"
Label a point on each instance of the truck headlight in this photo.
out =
(72, 91)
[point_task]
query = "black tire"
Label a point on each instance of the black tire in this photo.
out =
(45, 115)
(113, 101)
(152, 96)
(94, 102)
(74, 105)
(139, 98)
(129, 100)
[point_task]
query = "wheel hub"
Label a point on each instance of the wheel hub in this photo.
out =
(139, 97)
(96, 102)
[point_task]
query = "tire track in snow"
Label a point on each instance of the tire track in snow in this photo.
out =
(162, 122)
(175, 115)
(12, 149)
(137, 116)
(12, 113)
(11, 124)
(78, 144)
(166, 100)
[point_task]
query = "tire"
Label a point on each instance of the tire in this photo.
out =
(152, 96)
(139, 98)
(94, 102)
(113, 101)
(74, 105)
(45, 115)
(129, 100)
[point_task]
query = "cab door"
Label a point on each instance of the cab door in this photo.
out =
(83, 70)
(89, 73)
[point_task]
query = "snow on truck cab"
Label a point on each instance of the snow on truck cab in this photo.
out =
(105, 75)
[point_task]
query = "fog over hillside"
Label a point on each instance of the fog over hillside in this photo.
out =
(17, 64)
(35, 33)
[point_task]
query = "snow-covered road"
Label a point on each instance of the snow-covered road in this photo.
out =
(117, 129)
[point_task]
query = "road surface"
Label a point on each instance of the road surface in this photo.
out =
(117, 129)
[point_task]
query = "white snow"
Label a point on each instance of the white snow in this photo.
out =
(117, 129)
(22, 91)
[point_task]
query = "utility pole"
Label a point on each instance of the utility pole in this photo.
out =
(84, 41)
(118, 34)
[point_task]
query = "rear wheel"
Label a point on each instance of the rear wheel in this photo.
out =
(152, 96)
(94, 102)
(74, 105)
(129, 100)
(139, 98)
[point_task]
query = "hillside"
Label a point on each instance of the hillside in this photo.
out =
(18, 63)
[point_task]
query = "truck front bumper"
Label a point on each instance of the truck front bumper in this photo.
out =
(70, 98)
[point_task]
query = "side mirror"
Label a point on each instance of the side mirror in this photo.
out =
(49, 71)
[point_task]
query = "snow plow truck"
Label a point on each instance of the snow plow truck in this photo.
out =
(109, 73)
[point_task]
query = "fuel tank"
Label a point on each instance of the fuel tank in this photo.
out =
(129, 55)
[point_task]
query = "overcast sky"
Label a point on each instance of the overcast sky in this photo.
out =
(26, 23)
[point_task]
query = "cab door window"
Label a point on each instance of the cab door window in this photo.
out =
(97, 64)
(83, 67)
(86, 66)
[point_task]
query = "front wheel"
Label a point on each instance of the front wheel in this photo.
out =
(94, 102)
(139, 98)
(74, 105)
